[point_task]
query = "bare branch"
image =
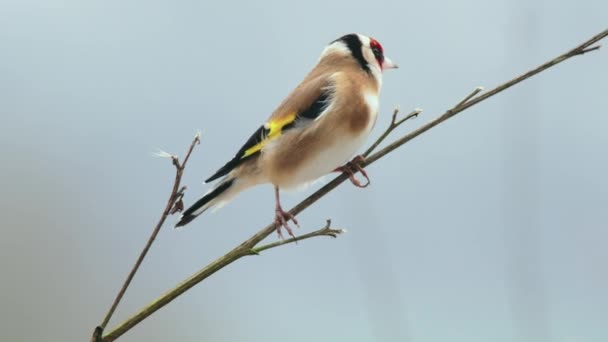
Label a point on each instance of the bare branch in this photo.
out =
(174, 204)
(468, 97)
(178, 204)
(244, 249)
(195, 141)
(325, 231)
(394, 124)
(97, 333)
(248, 246)
(412, 114)
(579, 50)
(584, 51)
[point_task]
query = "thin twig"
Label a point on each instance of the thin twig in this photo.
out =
(325, 231)
(171, 207)
(246, 247)
(597, 47)
(470, 96)
(394, 124)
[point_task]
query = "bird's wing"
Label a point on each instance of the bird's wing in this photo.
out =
(307, 102)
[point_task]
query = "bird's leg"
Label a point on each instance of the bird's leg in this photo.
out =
(351, 168)
(282, 217)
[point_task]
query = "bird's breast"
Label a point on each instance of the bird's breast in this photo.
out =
(299, 157)
(372, 102)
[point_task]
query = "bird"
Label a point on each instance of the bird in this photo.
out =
(314, 131)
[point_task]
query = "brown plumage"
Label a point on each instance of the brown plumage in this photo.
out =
(317, 128)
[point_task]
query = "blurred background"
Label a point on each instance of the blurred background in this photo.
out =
(490, 227)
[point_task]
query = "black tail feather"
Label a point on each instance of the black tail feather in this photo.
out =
(189, 214)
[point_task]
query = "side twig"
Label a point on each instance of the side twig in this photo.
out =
(174, 204)
(248, 246)
(325, 231)
(394, 124)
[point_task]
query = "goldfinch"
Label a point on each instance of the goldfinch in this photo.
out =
(314, 131)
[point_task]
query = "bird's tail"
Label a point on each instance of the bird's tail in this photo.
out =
(216, 197)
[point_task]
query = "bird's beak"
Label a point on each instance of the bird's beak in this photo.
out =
(388, 64)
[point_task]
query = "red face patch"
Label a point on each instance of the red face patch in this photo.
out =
(377, 50)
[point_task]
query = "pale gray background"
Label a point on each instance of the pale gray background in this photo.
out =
(491, 227)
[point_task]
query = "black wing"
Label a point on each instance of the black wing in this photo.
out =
(265, 132)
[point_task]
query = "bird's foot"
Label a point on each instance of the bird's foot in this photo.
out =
(353, 167)
(281, 219)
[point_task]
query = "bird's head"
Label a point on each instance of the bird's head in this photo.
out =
(367, 51)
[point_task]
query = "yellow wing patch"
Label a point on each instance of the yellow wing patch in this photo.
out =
(274, 130)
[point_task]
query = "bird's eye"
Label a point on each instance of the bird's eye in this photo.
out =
(378, 54)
